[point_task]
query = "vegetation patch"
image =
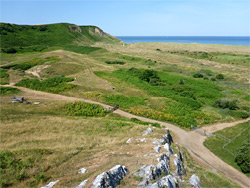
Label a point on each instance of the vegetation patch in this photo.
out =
(81, 49)
(227, 144)
(29, 64)
(184, 96)
(85, 109)
(16, 166)
(8, 91)
(123, 101)
(115, 62)
(53, 85)
(3, 73)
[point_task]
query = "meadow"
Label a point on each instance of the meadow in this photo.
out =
(185, 84)
(227, 142)
(45, 142)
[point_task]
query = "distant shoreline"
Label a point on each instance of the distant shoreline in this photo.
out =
(224, 40)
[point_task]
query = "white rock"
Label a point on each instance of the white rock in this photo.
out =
(128, 141)
(82, 171)
(51, 184)
(81, 185)
(195, 181)
(157, 149)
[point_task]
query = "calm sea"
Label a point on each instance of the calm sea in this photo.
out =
(184, 39)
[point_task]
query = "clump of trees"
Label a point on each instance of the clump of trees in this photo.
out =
(243, 157)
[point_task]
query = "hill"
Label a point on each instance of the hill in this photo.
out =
(38, 37)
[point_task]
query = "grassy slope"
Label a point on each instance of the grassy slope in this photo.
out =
(48, 35)
(228, 154)
(47, 145)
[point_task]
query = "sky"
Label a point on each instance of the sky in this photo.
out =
(137, 17)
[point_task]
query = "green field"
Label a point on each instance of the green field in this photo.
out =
(225, 143)
(184, 84)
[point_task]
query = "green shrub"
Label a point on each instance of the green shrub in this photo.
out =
(124, 101)
(213, 79)
(243, 157)
(8, 90)
(219, 76)
(115, 62)
(3, 73)
(151, 77)
(53, 85)
(85, 109)
(198, 75)
(239, 114)
(12, 169)
(226, 104)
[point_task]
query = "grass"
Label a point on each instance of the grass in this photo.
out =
(85, 109)
(53, 85)
(123, 101)
(8, 91)
(229, 152)
(29, 64)
(51, 145)
(183, 101)
(16, 38)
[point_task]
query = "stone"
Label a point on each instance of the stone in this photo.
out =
(51, 184)
(149, 130)
(82, 171)
(111, 178)
(157, 149)
(81, 185)
(128, 141)
(195, 181)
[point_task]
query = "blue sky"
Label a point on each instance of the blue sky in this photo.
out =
(137, 17)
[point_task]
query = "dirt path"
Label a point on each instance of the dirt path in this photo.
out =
(189, 139)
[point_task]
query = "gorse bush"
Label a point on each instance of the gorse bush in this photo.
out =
(85, 109)
(222, 103)
(53, 85)
(124, 101)
(198, 75)
(238, 114)
(219, 76)
(115, 62)
(3, 73)
(8, 90)
(243, 158)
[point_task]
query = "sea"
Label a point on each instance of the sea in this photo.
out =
(227, 40)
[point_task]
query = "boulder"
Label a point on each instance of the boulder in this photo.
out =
(81, 185)
(195, 181)
(51, 184)
(157, 149)
(110, 178)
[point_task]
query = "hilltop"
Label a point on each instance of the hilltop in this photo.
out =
(21, 37)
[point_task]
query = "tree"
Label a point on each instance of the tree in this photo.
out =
(243, 157)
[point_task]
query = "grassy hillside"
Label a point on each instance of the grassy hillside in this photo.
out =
(225, 143)
(53, 140)
(21, 38)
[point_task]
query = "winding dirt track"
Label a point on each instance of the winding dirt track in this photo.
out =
(189, 139)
